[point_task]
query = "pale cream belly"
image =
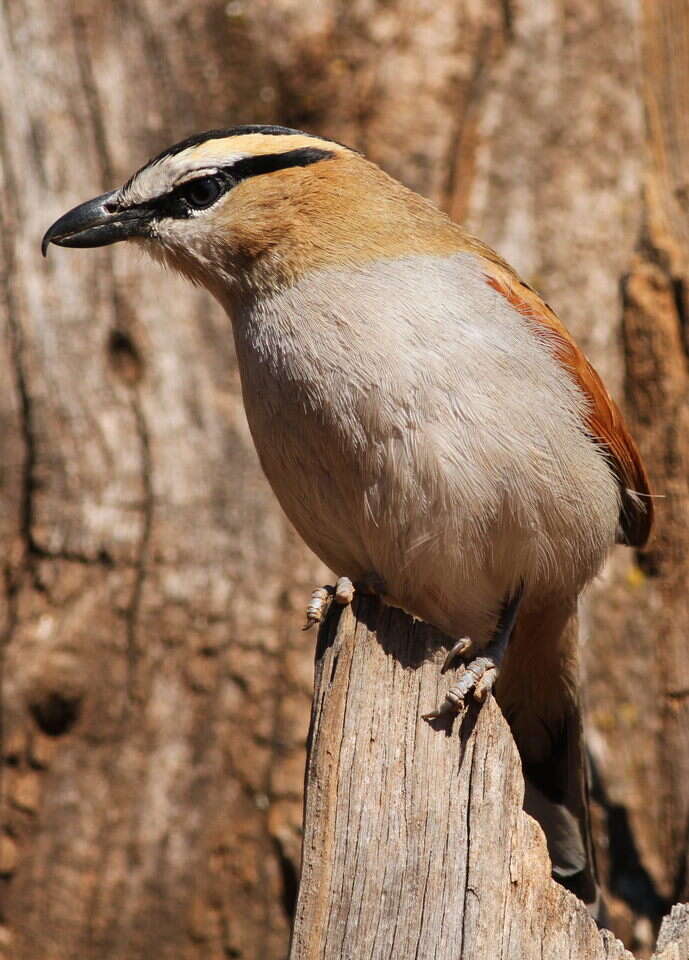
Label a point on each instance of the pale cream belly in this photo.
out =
(424, 562)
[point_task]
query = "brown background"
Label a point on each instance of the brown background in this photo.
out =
(155, 685)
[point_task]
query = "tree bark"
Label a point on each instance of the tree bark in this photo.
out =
(155, 683)
(415, 842)
(673, 939)
(656, 314)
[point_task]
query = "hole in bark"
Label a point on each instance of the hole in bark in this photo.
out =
(55, 713)
(125, 357)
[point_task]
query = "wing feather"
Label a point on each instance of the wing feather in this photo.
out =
(604, 420)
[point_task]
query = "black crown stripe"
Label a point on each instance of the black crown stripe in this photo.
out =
(253, 166)
(240, 130)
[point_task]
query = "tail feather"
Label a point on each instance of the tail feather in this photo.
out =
(556, 795)
(538, 692)
(565, 842)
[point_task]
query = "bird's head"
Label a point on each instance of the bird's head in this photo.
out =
(257, 205)
(215, 203)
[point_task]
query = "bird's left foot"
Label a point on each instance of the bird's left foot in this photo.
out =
(322, 597)
(478, 679)
(481, 672)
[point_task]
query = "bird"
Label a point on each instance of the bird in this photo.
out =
(426, 421)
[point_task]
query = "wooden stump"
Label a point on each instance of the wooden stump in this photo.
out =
(416, 845)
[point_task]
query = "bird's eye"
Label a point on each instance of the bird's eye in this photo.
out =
(201, 193)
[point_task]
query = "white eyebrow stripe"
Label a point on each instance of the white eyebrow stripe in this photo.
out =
(209, 166)
(194, 174)
(159, 179)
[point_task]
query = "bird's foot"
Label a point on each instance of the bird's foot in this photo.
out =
(322, 597)
(480, 673)
(477, 679)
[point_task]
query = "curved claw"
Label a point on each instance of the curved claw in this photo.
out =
(459, 649)
(481, 673)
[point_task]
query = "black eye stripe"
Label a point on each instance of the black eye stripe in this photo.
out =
(175, 204)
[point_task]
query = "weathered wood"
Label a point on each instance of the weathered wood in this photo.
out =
(673, 939)
(415, 842)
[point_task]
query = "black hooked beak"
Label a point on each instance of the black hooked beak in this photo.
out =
(97, 223)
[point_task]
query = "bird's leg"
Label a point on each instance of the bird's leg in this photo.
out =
(322, 597)
(480, 673)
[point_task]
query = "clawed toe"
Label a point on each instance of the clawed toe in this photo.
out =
(460, 649)
(478, 679)
(479, 675)
(344, 591)
(318, 606)
(322, 597)
(485, 683)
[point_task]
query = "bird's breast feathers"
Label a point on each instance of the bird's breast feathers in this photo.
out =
(414, 396)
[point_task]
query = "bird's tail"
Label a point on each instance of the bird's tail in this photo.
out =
(538, 692)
